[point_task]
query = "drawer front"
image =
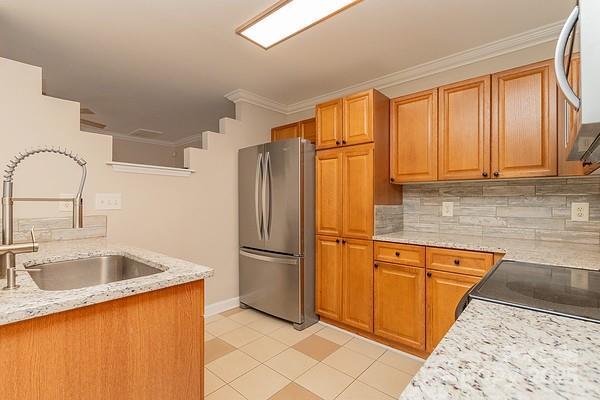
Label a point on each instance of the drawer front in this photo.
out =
(459, 261)
(404, 254)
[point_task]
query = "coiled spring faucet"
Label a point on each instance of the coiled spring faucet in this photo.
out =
(8, 249)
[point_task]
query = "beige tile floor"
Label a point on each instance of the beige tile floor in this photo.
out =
(252, 356)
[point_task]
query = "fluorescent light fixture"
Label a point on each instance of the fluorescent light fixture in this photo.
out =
(287, 18)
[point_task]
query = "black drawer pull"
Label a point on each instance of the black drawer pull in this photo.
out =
(457, 262)
(429, 274)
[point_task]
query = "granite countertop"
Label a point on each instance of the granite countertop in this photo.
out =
(499, 352)
(533, 251)
(28, 301)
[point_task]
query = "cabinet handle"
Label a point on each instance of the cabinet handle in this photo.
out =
(337, 143)
(429, 274)
(496, 174)
(397, 254)
(485, 174)
(457, 262)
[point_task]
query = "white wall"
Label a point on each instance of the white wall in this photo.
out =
(192, 218)
(147, 153)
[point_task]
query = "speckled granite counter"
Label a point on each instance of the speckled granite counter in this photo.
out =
(29, 301)
(551, 253)
(499, 352)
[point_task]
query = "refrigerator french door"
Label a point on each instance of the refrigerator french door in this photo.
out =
(276, 229)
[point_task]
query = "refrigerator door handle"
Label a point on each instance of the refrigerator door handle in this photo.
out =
(280, 259)
(266, 195)
(258, 184)
(270, 210)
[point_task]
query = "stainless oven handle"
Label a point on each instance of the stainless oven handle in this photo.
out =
(279, 260)
(559, 59)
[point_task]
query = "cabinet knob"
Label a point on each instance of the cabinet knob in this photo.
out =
(496, 174)
(429, 274)
(397, 254)
(376, 265)
(337, 143)
(343, 242)
(343, 142)
(457, 262)
(391, 179)
(337, 240)
(485, 174)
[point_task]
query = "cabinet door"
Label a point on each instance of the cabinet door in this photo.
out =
(358, 118)
(357, 309)
(329, 277)
(464, 129)
(444, 291)
(285, 132)
(308, 130)
(400, 304)
(329, 192)
(524, 142)
(357, 208)
(329, 124)
(414, 138)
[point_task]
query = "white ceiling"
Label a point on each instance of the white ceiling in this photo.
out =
(166, 65)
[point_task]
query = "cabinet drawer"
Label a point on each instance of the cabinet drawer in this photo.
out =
(459, 261)
(400, 253)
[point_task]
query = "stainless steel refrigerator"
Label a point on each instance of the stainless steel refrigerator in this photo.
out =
(276, 229)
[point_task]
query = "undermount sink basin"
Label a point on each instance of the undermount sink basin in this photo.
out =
(76, 274)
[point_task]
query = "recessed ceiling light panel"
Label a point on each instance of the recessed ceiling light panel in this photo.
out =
(287, 18)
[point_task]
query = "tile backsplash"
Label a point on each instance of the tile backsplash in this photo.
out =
(524, 209)
(59, 228)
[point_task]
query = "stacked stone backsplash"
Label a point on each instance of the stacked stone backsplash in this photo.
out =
(520, 209)
(388, 219)
(59, 228)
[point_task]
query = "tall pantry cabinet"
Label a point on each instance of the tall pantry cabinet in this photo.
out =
(352, 175)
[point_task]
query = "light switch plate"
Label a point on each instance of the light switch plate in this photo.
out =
(66, 206)
(447, 209)
(580, 212)
(108, 201)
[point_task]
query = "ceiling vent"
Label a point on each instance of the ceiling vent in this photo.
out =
(145, 133)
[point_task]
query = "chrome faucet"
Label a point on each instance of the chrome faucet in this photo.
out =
(8, 249)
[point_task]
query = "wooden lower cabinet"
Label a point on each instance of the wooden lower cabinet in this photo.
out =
(444, 291)
(147, 346)
(329, 277)
(357, 287)
(400, 304)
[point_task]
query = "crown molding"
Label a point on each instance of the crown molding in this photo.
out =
(258, 100)
(520, 41)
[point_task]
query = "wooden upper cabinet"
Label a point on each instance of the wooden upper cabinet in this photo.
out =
(285, 132)
(308, 129)
(414, 137)
(524, 142)
(329, 165)
(464, 129)
(357, 186)
(358, 118)
(329, 119)
(444, 291)
(328, 277)
(400, 304)
(357, 297)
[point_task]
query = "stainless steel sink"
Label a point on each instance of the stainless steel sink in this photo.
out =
(87, 272)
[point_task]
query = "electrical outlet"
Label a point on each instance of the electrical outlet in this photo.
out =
(108, 201)
(66, 206)
(447, 209)
(580, 212)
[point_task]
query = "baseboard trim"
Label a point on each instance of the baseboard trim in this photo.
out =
(220, 306)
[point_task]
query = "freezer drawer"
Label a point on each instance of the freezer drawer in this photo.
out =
(272, 283)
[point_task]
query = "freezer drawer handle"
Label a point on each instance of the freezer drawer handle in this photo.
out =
(280, 260)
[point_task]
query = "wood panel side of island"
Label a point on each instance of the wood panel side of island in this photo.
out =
(146, 346)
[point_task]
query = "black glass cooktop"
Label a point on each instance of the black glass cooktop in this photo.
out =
(557, 290)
